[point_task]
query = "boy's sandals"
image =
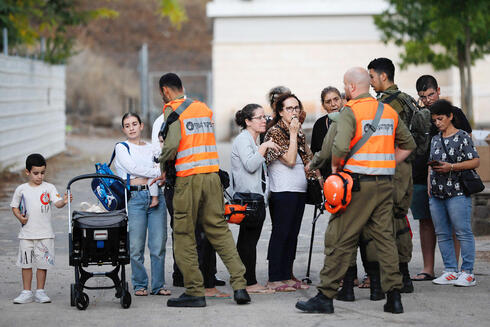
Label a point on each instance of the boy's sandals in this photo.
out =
(141, 292)
(366, 282)
(163, 291)
(423, 276)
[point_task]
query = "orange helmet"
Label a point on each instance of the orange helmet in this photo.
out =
(338, 192)
(234, 213)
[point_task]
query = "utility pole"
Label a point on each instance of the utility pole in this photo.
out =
(5, 42)
(143, 70)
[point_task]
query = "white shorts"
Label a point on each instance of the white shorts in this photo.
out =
(36, 252)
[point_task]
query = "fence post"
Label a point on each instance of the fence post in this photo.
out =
(5, 42)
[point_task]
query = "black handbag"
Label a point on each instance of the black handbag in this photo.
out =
(469, 179)
(255, 205)
(314, 192)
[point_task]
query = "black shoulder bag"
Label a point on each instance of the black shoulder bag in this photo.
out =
(469, 180)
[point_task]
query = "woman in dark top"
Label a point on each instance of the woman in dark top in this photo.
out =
(331, 102)
(451, 152)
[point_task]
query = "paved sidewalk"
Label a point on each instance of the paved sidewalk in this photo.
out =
(430, 305)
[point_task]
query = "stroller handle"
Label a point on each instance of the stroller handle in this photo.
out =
(92, 176)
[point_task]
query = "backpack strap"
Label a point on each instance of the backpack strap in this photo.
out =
(114, 152)
(114, 155)
(173, 117)
(372, 128)
(391, 97)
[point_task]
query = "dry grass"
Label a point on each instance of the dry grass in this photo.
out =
(98, 90)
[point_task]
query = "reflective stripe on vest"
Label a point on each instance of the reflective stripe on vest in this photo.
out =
(377, 155)
(196, 164)
(197, 152)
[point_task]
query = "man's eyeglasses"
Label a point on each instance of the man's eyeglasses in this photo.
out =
(263, 117)
(291, 109)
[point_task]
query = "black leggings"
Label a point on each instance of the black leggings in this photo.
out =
(287, 210)
(247, 246)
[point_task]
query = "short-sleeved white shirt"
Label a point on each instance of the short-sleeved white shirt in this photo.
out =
(37, 201)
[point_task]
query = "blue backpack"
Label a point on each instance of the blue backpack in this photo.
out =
(110, 192)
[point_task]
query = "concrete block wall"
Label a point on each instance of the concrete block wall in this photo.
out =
(32, 110)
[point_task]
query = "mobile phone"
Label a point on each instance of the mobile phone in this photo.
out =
(434, 163)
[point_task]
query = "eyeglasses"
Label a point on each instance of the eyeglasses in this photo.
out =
(431, 95)
(263, 117)
(291, 109)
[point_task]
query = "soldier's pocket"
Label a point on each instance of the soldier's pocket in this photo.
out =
(182, 203)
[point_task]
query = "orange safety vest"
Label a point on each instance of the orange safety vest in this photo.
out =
(197, 152)
(377, 155)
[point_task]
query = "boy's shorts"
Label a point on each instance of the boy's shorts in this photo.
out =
(420, 202)
(36, 252)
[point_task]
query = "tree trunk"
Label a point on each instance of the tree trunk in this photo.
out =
(469, 86)
(462, 78)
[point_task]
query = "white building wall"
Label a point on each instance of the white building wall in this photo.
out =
(307, 45)
(32, 110)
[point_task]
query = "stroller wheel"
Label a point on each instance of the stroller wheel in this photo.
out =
(82, 301)
(72, 295)
(125, 300)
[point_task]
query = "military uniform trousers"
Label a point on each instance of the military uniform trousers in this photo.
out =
(199, 198)
(402, 197)
(370, 208)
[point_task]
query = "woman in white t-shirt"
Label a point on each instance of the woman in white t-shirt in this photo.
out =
(288, 185)
(137, 162)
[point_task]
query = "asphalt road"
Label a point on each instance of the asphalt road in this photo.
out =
(429, 305)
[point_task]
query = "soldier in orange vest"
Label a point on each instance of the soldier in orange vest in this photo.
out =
(373, 166)
(198, 196)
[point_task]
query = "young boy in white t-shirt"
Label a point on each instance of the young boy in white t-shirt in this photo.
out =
(31, 205)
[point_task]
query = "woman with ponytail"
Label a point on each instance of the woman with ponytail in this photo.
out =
(249, 176)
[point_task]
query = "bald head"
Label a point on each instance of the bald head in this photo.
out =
(356, 82)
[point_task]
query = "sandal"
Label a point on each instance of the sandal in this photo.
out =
(282, 287)
(260, 290)
(425, 276)
(299, 286)
(366, 282)
(219, 295)
(141, 292)
(163, 291)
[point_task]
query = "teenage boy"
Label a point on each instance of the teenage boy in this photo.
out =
(429, 92)
(31, 205)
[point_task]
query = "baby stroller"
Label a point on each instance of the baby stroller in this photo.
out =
(98, 239)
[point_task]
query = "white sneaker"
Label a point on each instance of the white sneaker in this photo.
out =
(42, 297)
(24, 297)
(447, 278)
(465, 279)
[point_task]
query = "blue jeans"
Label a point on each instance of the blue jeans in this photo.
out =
(454, 214)
(142, 218)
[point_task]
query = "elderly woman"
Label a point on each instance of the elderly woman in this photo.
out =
(249, 176)
(288, 185)
(331, 102)
(451, 152)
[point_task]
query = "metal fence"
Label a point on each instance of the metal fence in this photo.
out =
(32, 110)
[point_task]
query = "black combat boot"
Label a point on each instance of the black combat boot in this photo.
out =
(373, 273)
(393, 302)
(318, 304)
(185, 300)
(346, 293)
(406, 279)
(241, 296)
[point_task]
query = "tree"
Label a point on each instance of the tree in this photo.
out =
(443, 33)
(55, 20)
